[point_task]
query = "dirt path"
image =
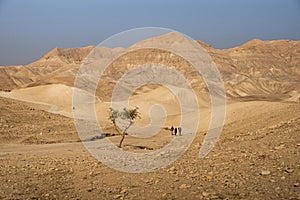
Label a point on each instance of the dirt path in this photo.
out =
(8, 149)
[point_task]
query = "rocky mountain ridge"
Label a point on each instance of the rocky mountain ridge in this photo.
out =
(268, 70)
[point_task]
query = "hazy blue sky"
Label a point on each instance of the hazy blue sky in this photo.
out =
(30, 28)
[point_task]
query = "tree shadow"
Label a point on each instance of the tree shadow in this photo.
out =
(98, 137)
(140, 147)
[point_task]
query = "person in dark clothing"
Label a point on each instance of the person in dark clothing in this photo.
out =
(175, 131)
(172, 129)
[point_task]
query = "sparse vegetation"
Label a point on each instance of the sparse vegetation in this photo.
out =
(129, 115)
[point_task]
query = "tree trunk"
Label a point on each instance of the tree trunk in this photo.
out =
(122, 139)
(124, 133)
(117, 128)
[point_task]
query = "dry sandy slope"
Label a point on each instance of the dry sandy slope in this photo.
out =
(26, 123)
(257, 136)
(57, 99)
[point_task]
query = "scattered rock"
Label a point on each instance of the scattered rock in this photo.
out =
(282, 146)
(289, 170)
(149, 181)
(184, 186)
(214, 197)
(117, 196)
(265, 172)
(124, 191)
(42, 163)
(194, 175)
(205, 194)
(172, 170)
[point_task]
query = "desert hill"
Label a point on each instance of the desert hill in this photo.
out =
(59, 65)
(255, 70)
(261, 69)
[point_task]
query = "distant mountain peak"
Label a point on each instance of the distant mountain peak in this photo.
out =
(254, 41)
(71, 54)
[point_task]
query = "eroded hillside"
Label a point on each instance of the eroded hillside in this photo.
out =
(268, 70)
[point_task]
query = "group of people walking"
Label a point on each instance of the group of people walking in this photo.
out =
(175, 130)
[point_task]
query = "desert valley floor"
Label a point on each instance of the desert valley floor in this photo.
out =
(257, 157)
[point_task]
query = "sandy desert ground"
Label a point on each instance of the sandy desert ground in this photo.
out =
(256, 157)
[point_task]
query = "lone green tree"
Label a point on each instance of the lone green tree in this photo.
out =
(128, 115)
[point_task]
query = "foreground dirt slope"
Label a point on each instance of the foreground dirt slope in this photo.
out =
(257, 157)
(24, 123)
